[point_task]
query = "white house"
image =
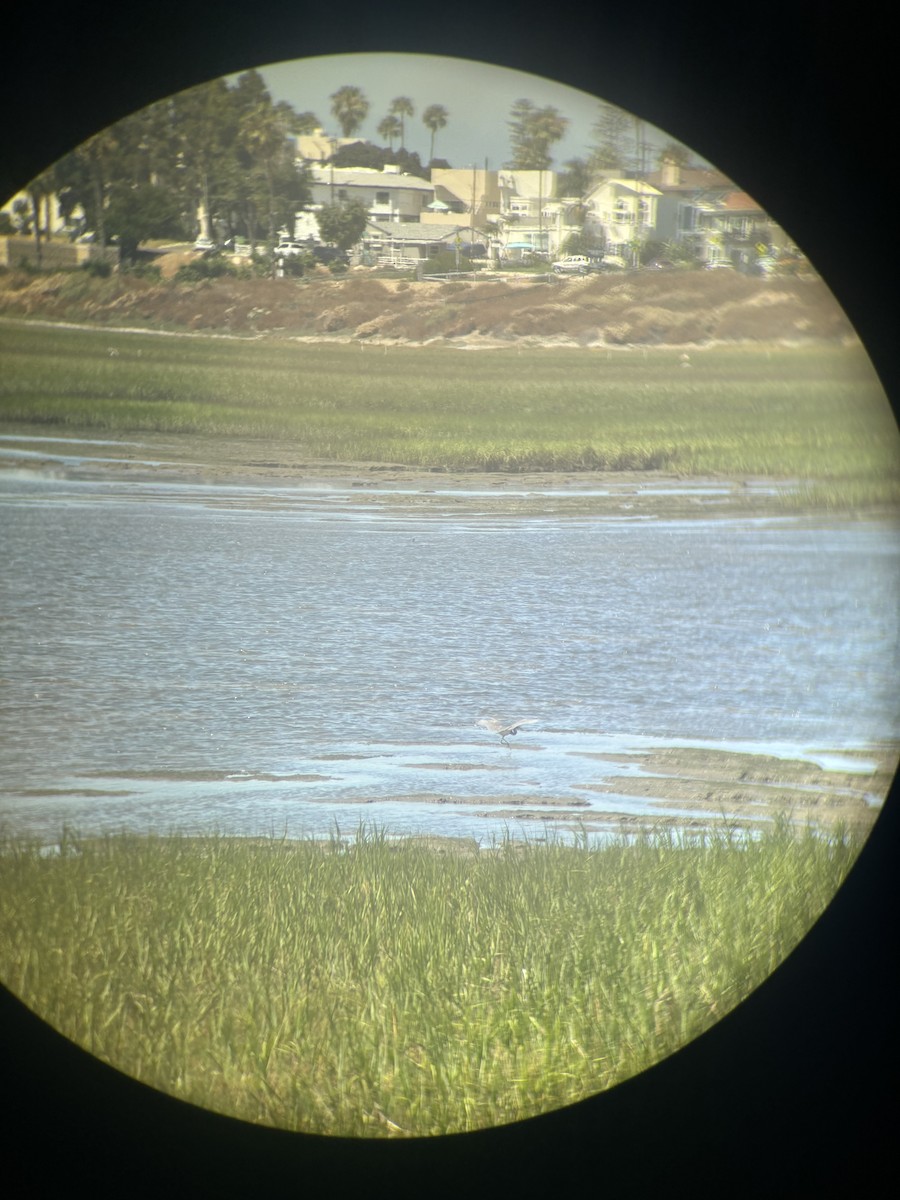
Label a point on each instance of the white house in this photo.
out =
(625, 212)
(405, 243)
(733, 228)
(387, 195)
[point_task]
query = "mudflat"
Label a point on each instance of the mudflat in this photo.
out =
(705, 789)
(277, 471)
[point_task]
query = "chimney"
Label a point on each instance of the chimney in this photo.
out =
(670, 174)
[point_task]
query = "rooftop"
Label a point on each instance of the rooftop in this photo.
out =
(368, 177)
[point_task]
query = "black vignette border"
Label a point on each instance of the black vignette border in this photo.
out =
(794, 1092)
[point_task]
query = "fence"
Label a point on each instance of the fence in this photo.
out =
(493, 276)
(400, 261)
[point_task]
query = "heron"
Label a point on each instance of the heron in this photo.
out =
(505, 731)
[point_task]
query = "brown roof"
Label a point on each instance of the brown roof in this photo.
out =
(741, 202)
(692, 179)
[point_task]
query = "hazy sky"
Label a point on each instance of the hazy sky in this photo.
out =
(477, 96)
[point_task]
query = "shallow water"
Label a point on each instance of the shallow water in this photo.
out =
(181, 655)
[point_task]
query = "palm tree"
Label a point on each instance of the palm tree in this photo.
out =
(40, 191)
(402, 107)
(350, 108)
(260, 136)
(99, 153)
(434, 118)
(533, 131)
(389, 128)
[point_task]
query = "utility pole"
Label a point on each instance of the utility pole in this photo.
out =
(472, 212)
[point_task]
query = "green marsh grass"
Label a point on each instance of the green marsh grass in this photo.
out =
(815, 414)
(379, 988)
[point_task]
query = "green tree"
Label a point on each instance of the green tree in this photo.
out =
(674, 152)
(137, 150)
(40, 192)
(306, 123)
(681, 253)
(585, 241)
(434, 118)
(98, 156)
(609, 150)
(225, 153)
(202, 134)
(575, 179)
(342, 225)
(269, 186)
(364, 154)
(389, 128)
(350, 108)
(532, 132)
(140, 211)
(402, 107)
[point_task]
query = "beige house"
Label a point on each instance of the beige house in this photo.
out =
(318, 146)
(473, 191)
(518, 209)
(49, 212)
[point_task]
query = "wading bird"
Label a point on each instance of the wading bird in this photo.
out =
(505, 731)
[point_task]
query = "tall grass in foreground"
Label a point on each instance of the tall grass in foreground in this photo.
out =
(814, 413)
(383, 988)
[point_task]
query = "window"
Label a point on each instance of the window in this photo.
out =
(382, 197)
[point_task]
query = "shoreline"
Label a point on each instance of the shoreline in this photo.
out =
(694, 790)
(84, 454)
(462, 341)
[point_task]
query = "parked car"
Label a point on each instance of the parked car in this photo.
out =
(575, 264)
(204, 243)
(287, 248)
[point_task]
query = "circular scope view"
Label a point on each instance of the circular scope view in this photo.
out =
(451, 552)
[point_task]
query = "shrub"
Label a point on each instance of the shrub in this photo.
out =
(445, 261)
(98, 267)
(146, 271)
(208, 267)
